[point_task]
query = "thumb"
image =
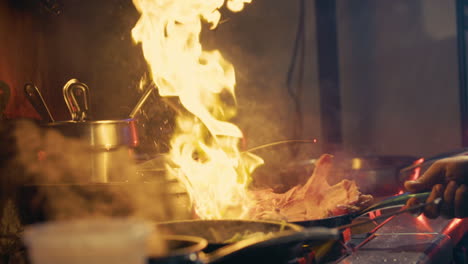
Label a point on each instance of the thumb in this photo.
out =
(434, 175)
(415, 186)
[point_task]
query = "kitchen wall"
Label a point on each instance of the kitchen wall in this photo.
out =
(399, 76)
(398, 69)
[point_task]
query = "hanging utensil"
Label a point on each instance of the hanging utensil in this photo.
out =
(142, 100)
(76, 95)
(34, 96)
(4, 98)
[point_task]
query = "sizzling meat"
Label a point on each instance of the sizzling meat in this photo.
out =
(315, 199)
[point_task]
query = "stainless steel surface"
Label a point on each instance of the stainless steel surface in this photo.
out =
(106, 165)
(111, 142)
(76, 95)
(34, 96)
(101, 134)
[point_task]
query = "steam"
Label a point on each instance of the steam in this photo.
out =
(61, 168)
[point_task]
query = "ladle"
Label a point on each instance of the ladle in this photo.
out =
(34, 96)
(142, 100)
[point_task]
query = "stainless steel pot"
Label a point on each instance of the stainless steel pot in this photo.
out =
(101, 134)
(110, 141)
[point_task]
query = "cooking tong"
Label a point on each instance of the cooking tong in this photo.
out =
(76, 95)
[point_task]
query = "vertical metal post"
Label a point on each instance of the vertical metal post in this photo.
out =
(328, 74)
(461, 41)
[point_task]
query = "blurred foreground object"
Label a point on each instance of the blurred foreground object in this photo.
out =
(117, 241)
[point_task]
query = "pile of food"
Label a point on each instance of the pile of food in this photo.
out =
(314, 200)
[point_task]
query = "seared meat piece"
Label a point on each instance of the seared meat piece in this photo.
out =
(315, 199)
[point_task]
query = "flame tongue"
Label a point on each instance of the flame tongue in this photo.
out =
(205, 145)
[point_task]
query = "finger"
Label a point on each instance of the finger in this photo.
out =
(456, 168)
(447, 208)
(433, 210)
(461, 201)
(434, 175)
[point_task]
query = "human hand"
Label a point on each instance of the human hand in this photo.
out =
(448, 179)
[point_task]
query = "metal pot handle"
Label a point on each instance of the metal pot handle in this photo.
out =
(76, 95)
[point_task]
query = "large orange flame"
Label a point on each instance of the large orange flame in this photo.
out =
(205, 145)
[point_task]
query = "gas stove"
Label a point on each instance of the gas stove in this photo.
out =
(399, 239)
(408, 239)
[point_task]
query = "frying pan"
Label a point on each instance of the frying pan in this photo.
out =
(217, 232)
(181, 249)
(346, 219)
(278, 248)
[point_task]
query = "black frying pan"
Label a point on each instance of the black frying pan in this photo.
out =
(218, 233)
(278, 248)
(340, 220)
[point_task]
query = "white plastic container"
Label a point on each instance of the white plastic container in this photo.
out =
(96, 241)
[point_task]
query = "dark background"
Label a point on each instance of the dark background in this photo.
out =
(398, 67)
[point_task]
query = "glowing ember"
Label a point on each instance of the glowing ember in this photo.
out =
(205, 145)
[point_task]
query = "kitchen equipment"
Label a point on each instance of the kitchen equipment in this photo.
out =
(278, 248)
(92, 241)
(340, 220)
(415, 209)
(374, 174)
(142, 100)
(378, 175)
(180, 249)
(34, 96)
(4, 98)
(76, 95)
(217, 232)
(110, 141)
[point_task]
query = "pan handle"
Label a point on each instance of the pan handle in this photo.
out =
(284, 238)
(395, 201)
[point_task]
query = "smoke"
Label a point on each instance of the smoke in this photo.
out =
(56, 183)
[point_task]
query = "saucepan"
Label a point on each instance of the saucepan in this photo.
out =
(109, 140)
